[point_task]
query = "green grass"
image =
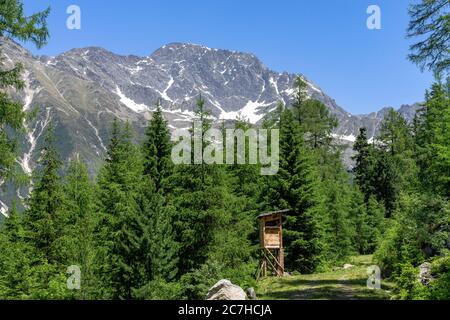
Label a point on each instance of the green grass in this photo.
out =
(350, 284)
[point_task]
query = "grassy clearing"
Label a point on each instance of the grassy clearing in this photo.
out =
(350, 284)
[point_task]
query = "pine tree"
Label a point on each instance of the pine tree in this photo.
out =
(78, 243)
(200, 201)
(14, 258)
(245, 177)
(386, 181)
(162, 249)
(335, 218)
(44, 222)
(364, 164)
(376, 222)
(362, 236)
(296, 187)
(44, 218)
(158, 165)
(122, 221)
(395, 167)
(316, 124)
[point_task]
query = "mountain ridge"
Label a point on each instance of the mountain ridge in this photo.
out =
(83, 89)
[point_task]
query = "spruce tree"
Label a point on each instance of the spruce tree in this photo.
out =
(200, 200)
(246, 179)
(44, 224)
(158, 165)
(316, 123)
(78, 243)
(395, 167)
(362, 235)
(335, 217)
(376, 222)
(122, 221)
(297, 187)
(15, 260)
(44, 218)
(386, 181)
(364, 164)
(161, 247)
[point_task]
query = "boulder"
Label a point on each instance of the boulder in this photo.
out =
(251, 294)
(425, 276)
(225, 290)
(347, 266)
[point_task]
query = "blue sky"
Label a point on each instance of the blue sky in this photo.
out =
(326, 40)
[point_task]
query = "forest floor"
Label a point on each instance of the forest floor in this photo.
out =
(348, 284)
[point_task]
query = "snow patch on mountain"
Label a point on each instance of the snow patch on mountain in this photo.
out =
(25, 161)
(312, 86)
(274, 85)
(3, 209)
(250, 111)
(164, 93)
(32, 138)
(289, 92)
(351, 138)
(29, 92)
(96, 134)
(136, 107)
(188, 115)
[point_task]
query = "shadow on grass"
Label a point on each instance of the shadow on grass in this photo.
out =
(329, 289)
(325, 282)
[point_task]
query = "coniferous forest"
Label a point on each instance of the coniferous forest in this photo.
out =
(143, 227)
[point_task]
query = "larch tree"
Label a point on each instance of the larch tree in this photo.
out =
(430, 22)
(15, 24)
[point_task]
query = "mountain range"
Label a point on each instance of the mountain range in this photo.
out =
(82, 90)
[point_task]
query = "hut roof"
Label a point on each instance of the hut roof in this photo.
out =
(262, 215)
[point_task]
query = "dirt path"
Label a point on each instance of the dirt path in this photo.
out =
(350, 284)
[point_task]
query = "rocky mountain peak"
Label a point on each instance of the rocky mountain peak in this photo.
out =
(83, 89)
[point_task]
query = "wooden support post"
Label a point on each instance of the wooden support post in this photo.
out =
(271, 244)
(281, 262)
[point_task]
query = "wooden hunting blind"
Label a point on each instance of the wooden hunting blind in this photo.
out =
(271, 243)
